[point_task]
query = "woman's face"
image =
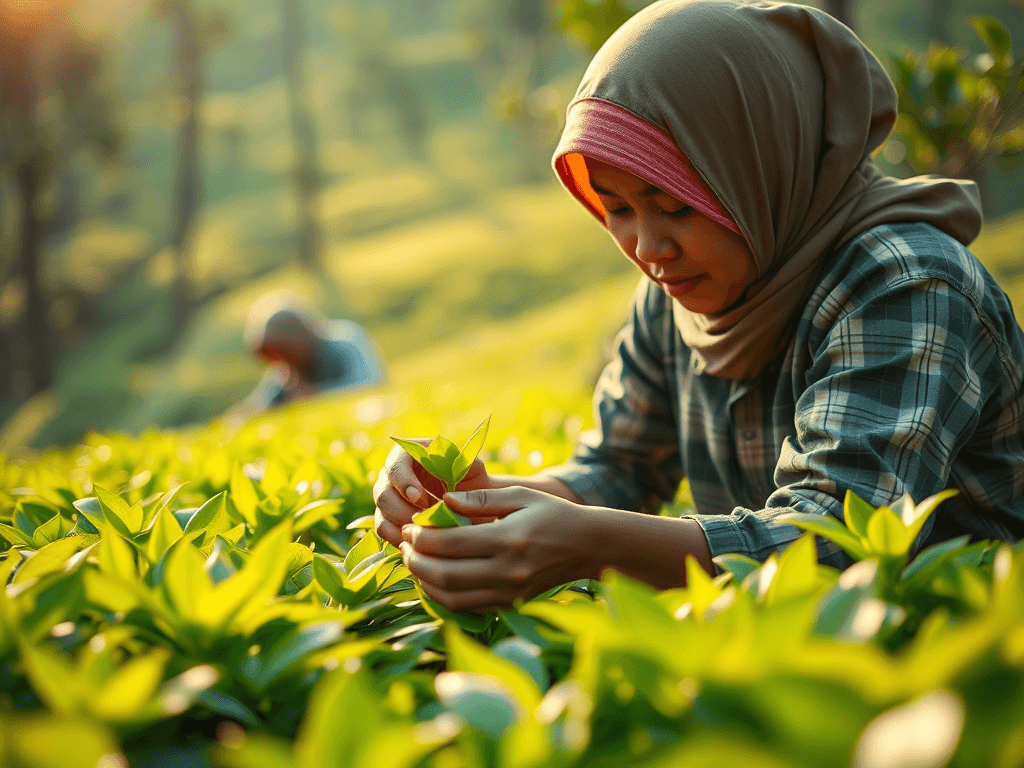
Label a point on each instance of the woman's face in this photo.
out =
(703, 265)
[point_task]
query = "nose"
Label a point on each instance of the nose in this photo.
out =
(652, 245)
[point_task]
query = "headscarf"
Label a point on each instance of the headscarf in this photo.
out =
(777, 108)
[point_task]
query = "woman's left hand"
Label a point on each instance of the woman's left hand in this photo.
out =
(538, 541)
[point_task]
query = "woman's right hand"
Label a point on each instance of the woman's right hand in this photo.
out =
(404, 488)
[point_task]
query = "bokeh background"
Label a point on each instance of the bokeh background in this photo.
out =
(165, 163)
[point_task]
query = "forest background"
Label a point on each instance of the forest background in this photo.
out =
(164, 164)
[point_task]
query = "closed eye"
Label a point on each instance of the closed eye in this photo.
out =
(677, 212)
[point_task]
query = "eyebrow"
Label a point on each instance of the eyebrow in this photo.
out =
(649, 191)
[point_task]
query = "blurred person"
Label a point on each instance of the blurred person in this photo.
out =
(804, 326)
(306, 353)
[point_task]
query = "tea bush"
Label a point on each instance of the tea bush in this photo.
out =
(218, 598)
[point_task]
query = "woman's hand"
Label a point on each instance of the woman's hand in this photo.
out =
(404, 488)
(538, 541)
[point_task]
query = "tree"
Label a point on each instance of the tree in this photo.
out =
(959, 113)
(197, 32)
(307, 172)
(52, 105)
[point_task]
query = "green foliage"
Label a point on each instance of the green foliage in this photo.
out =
(445, 460)
(957, 112)
(231, 588)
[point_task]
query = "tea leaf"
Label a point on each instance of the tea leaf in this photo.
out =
(130, 518)
(470, 451)
(440, 516)
(857, 513)
(887, 533)
(828, 528)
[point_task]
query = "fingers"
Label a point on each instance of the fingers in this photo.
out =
(492, 502)
(399, 474)
(386, 529)
(469, 584)
(488, 600)
(470, 541)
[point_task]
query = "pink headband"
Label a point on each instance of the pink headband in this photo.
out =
(605, 131)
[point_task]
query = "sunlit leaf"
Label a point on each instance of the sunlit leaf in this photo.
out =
(243, 495)
(440, 516)
(49, 559)
(470, 451)
(887, 533)
(481, 700)
(857, 513)
(127, 520)
(164, 533)
(212, 519)
(130, 688)
(828, 528)
(996, 37)
(116, 556)
(184, 581)
(465, 655)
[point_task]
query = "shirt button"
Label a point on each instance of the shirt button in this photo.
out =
(748, 434)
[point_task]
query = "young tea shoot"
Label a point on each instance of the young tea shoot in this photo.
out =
(443, 459)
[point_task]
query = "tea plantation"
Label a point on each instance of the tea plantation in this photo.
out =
(216, 597)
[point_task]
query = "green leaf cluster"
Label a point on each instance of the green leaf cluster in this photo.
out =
(232, 589)
(959, 112)
(445, 460)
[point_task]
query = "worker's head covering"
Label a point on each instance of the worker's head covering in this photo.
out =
(282, 322)
(762, 116)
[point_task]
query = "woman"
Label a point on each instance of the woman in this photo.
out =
(804, 326)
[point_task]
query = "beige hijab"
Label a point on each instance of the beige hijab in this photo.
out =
(778, 108)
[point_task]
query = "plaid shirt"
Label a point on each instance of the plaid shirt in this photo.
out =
(904, 375)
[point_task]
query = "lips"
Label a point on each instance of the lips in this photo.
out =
(677, 287)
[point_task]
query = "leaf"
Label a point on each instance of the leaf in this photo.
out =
(291, 648)
(887, 533)
(414, 449)
(473, 623)
(828, 528)
(740, 566)
(256, 584)
(440, 516)
(116, 556)
(130, 688)
(50, 559)
(483, 701)
(212, 519)
(185, 582)
(53, 679)
(797, 573)
(91, 511)
(343, 715)
(997, 37)
(916, 518)
(129, 518)
(526, 656)
(15, 536)
(243, 495)
(857, 513)
(470, 450)
(331, 580)
(314, 512)
(162, 536)
(368, 545)
(931, 558)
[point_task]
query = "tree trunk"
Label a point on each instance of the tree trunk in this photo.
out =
(841, 10)
(938, 17)
(35, 322)
(306, 175)
(187, 177)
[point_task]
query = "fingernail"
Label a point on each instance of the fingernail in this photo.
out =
(407, 532)
(412, 493)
